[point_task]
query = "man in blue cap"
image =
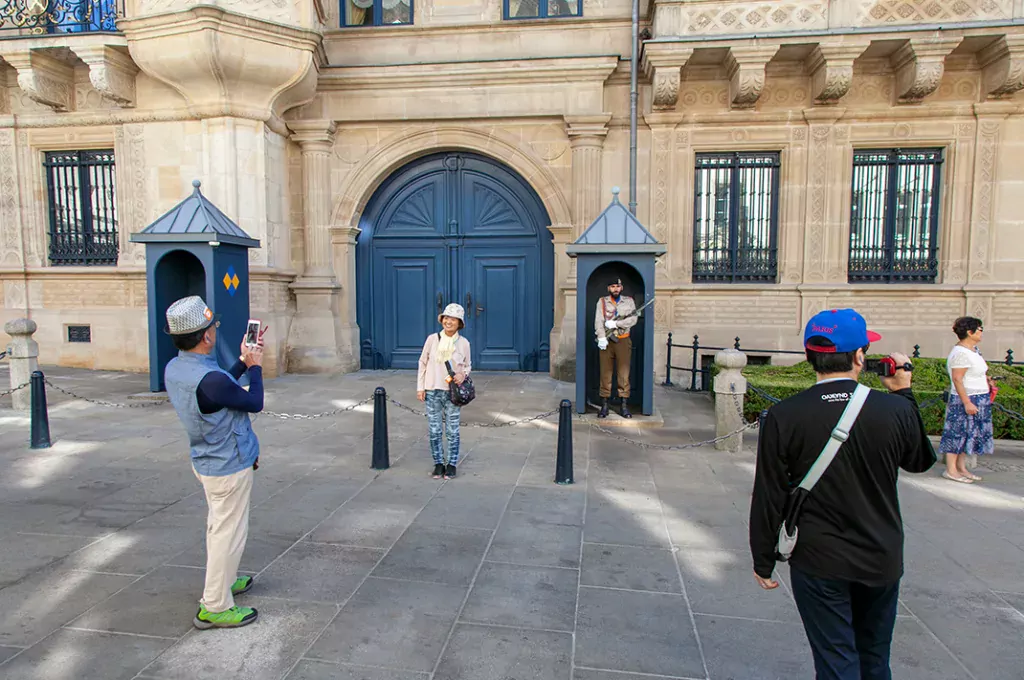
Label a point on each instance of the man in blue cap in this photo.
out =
(847, 564)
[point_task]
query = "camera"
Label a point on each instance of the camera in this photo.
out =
(886, 367)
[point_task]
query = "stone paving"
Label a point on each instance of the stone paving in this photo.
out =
(637, 571)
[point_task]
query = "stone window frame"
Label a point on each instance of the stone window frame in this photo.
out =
(543, 9)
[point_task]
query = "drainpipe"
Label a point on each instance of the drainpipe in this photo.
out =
(633, 58)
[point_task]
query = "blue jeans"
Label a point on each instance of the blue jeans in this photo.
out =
(443, 414)
(848, 624)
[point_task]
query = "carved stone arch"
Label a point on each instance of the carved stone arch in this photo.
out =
(400, 149)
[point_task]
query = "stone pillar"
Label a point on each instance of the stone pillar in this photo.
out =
(23, 353)
(730, 386)
(586, 137)
(313, 340)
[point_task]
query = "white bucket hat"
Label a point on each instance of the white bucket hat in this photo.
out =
(456, 312)
(189, 315)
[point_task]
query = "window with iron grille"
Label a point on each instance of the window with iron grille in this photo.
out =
(376, 12)
(83, 207)
(735, 217)
(542, 9)
(894, 215)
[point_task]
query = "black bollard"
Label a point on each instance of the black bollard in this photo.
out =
(381, 458)
(563, 461)
(40, 417)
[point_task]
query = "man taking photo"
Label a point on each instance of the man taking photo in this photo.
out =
(848, 561)
(215, 410)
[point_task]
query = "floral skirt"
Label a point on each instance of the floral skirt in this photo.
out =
(968, 434)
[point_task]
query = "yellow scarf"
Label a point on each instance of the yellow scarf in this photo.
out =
(446, 347)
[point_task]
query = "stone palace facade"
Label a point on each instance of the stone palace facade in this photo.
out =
(394, 155)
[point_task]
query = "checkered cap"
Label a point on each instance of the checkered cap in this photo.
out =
(189, 315)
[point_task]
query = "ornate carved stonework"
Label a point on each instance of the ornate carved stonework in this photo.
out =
(33, 229)
(111, 72)
(666, 88)
(817, 177)
(831, 70)
(919, 66)
(44, 79)
(130, 151)
(746, 69)
(1002, 65)
(663, 64)
(10, 224)
(586, 138)
(889, 12)
(984, 189)
(695, 18)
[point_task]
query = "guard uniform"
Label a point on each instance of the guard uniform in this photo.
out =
(616, 357)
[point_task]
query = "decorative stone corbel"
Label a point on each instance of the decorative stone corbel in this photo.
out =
(746, 69)
(111, 72)
(919, 65)
(663, 67)
(1002, 67)
(44, 79)
(831, 70)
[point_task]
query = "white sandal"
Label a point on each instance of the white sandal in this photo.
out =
(962, 480)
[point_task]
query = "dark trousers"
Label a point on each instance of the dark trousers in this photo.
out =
(848, 624)
(615, 359)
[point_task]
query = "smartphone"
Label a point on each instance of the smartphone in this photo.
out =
(885, 367)
(252, 333)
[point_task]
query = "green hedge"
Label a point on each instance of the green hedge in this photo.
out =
(930, 381)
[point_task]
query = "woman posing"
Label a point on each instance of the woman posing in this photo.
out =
(432, 385)
(968, 428)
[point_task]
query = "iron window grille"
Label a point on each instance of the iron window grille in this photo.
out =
(736, 214)
(83, 207)
(894, 215)
(376, 12)
(542, 9)
(39, 17)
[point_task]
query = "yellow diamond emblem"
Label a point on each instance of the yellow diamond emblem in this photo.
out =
(235, 281)
(227, 281)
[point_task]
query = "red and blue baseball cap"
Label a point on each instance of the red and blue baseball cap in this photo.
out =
(845, 328)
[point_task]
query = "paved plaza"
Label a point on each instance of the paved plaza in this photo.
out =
(638, 571)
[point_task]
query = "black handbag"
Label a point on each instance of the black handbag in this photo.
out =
(460, 395)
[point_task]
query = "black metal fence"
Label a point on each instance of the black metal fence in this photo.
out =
(700, 370)
(736, 206)
(41, 17)
(894, 215)
(82, 207)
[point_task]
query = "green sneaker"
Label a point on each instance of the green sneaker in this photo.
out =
(242, 585)
(235, 617)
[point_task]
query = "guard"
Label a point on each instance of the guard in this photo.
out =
(615, 316)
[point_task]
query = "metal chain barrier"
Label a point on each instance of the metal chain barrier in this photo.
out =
(510, 423)
(761, 393)
(12, 391)
(1002, 409)
(3, 355)
(314, 416)
(99, 402)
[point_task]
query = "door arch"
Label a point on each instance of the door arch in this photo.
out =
(455, 227)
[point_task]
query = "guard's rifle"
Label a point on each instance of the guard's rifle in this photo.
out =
(610, 334)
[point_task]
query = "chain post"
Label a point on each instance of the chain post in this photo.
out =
(1009, 357)
(563, 457)
(381, 459)
(40, 418)
(736, 343)
(693, 368)
(668, 362)
(917, 352)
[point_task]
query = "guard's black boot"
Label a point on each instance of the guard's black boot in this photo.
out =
(603, 413)
(625, 410)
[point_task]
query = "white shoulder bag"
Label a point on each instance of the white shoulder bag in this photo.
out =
(788, 531)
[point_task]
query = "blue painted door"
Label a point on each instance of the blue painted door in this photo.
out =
(455, 228)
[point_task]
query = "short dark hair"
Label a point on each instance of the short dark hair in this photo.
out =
(189, 341)
(965, 325)
(825, 363)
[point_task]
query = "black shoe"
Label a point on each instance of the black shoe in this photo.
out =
(603, 413)
(625, 411)
(438, 471)
(450, 472)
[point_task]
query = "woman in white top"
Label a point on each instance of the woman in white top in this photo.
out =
(968, 428)
(432, 385)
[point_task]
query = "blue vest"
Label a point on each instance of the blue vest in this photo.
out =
(222, 443)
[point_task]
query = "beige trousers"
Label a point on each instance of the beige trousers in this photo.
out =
(227, 528)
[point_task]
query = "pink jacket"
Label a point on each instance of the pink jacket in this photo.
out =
(432, 374)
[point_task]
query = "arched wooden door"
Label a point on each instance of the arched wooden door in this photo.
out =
(456, 227)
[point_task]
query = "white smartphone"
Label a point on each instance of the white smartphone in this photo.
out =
(252, 333)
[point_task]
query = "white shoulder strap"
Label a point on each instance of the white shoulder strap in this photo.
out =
(839, 435)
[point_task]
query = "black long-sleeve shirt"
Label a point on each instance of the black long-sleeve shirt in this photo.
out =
(216, 391)
(850, 523)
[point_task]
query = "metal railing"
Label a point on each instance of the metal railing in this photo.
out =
(82, 196)
(696, 369)
(59, 17)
